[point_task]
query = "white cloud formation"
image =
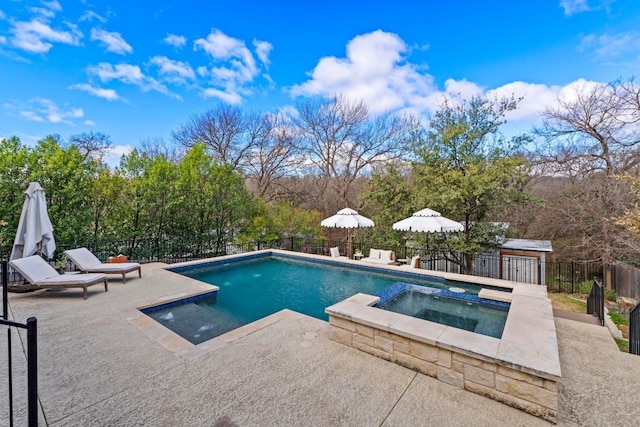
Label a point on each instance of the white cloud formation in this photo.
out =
(234, 66)
(230, 97)
(175, 40)
(108, 94)
(126, 73)
(112, 41)
(90, 16)
(173, 71)
(129, 74)
(115, 152)
(572, 7)
(37, 36)
(611, 46)
(263, 49)
(375, 71)
(44, 110)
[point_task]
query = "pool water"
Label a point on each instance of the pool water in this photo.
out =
(259, 287)
(461, 311)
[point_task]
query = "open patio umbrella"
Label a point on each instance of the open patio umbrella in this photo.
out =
(428, 221)
(35, 232)
(349, 219)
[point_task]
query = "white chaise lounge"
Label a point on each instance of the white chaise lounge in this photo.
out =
(380, 256)
(87, 262)
(41, 275)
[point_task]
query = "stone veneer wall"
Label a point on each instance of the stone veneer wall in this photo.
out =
(521, 390)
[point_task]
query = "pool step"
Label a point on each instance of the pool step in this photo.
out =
(495, 295)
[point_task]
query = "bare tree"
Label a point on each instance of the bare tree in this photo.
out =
(343, 141)
(274, 154)
(591, 137)
(158, 147)
(93, 144)
(594, 129)
(222, 129)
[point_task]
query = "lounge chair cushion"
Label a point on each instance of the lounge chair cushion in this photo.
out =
(374, 254)
(82, 258)
(89, 263)
(335, 252)
(40, 274)
(386, 255)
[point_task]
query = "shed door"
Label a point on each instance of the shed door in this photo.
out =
(520, 269)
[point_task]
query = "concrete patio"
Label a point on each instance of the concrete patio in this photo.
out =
(101, 364)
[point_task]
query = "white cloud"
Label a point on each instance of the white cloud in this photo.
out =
(37, 36)
(230, 97)
(129, 74)
(263, 49)
(125, 73)
(44, 110)
(374, 71)
(234, 66)
(610, 46)
(108, 94)
(115, 152)
(175, 40)
(572, 7)
(173, 71)
(53, 5)
(90, 16)
(112, 41)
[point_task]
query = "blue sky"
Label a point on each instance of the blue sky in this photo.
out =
(73, 66)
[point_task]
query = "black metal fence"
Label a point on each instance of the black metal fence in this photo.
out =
(32, 356)
(595, 301)
(559, 276)
(634, 330)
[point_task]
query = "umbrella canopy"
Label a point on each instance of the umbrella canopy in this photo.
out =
(428, 221)
(35, 232)
(347, 218)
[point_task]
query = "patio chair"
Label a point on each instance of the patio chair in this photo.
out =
(87, 262)
(414, 263)
(41, 275)
(335, 253)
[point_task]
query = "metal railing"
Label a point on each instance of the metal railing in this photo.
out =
(634, 330)
(32, 355)
(558, 276)
(595, 301)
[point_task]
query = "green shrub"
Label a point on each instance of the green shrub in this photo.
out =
(619, 319)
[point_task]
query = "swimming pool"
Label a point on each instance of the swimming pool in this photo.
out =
(254, 287)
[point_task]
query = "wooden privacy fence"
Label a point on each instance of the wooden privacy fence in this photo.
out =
(626, 280)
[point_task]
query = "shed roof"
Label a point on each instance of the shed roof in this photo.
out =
(528, 245)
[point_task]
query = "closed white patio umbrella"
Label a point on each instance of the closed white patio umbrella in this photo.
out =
(349, 219)
(35, 232)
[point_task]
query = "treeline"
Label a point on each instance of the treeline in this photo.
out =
(237, 176)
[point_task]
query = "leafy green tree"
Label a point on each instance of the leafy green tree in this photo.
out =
(389, 198)
(14, 159)
(466, 170)
(66, 175)
(281, 219)
(212, 198)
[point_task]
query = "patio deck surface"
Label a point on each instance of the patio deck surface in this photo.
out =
(100, 366)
